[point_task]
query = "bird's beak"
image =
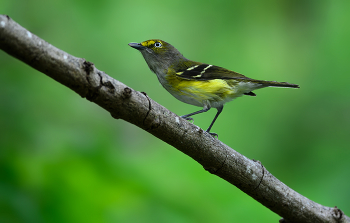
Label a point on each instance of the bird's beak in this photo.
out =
(137, 46)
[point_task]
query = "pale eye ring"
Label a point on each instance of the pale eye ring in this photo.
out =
(157, 44)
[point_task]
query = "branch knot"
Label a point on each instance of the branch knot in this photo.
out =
(337, 214)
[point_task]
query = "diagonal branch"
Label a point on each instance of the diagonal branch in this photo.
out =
(137, 108)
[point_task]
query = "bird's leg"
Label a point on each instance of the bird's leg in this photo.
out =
(187, 117)
(212, 123)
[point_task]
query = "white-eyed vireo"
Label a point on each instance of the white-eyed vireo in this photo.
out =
(196, 83)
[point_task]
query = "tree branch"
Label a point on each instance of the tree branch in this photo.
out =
(137, 108)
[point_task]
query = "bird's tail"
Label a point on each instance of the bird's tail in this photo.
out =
(279, 84)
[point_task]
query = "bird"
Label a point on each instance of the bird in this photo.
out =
(199, 84)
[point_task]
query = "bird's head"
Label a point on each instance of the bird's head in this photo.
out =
(158, 54)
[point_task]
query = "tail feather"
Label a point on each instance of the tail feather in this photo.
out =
(279, 84)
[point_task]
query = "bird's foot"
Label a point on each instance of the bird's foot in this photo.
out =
(187, 118)
(213, 134)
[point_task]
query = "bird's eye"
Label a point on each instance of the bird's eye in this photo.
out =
(157, 44)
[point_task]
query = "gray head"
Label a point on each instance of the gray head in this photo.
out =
(158, 54)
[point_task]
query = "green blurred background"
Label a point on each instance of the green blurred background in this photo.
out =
(64, 159)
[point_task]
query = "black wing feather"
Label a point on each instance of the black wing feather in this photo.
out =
(204, 72)
(209, 72)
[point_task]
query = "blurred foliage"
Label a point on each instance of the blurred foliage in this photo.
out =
(64, 159)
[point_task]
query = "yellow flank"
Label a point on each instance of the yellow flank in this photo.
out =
(215, 90)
